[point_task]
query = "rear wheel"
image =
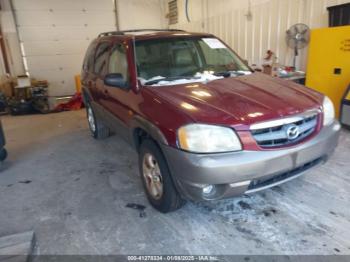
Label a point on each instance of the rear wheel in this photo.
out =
(156, 178)
(97, 128)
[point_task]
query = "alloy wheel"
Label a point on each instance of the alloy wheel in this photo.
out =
(152, 176)
(91, 120)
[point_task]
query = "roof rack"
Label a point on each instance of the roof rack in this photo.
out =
(137, 30)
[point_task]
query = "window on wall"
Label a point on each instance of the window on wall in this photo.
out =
(118, 61)
(173, 13)
(101, 56)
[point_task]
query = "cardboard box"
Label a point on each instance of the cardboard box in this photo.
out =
(6, 86)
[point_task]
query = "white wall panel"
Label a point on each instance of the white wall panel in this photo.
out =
(37, 48)
(61, 80)
(271, 18)
(55, 33)
(51, 62)
(60, 33)
(77, 5)
(65, 17)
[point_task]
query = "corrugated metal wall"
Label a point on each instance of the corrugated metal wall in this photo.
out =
(266, 30)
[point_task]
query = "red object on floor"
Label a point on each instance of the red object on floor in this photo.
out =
(75, 103)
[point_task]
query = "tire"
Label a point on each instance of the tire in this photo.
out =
(97, 128)
(3, 154)
(164, 197)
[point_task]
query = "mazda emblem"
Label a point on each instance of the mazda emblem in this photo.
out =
(292, 132)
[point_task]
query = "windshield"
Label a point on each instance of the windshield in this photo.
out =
(186, 59)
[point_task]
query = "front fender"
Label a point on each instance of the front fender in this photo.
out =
(151, 129)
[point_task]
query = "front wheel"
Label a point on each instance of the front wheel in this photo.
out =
(156, 178)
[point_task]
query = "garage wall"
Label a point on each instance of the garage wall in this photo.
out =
(54, 34)
(266, 30)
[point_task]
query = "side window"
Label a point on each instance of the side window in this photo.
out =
(101, 57)
(118, 62)
(89, 58)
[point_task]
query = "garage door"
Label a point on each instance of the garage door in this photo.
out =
(54, 35)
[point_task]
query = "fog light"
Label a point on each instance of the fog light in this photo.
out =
(208, 189)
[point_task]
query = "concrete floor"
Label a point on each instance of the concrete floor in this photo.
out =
(72, 191)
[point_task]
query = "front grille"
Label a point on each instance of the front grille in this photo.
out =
(255, 185)
(282, 135)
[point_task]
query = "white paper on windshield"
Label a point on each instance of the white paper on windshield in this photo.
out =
(213, 43)
(198, 77)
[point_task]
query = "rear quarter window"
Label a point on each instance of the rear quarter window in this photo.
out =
(101, 58)
(89, 58)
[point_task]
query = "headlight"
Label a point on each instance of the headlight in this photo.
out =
(202, 138)
(328, 111)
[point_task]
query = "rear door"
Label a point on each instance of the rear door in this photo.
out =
(87, 75)
(100, 69)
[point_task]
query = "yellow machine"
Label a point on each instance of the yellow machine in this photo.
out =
(328, 69)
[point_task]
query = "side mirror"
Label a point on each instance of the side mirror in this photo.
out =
(115, 80)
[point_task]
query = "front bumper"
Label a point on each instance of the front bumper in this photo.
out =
(236, 173)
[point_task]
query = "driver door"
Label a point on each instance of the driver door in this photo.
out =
(116, 99)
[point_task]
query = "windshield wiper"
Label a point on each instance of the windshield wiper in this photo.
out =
(229, 73)
(169, 78)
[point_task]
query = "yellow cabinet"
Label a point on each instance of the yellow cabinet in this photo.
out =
(328, 69)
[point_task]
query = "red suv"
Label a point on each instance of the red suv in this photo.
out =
(205, 125)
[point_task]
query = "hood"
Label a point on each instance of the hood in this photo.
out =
(239, 101)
